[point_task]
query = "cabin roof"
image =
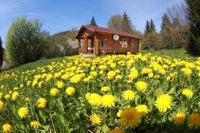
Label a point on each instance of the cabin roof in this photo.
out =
(105, 30)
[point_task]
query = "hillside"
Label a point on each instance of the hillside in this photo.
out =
(101, 94)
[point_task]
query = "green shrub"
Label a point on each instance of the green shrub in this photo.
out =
(25, 41)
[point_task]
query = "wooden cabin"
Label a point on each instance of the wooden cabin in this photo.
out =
(99, 40)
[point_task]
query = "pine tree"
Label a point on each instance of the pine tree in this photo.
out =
(152, 26)
(147, 28)
(127, 24)
(193, 12)
(1, 53)
(93, 22)
(165, 22)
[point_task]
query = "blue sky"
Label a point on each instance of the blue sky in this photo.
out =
(62, 15)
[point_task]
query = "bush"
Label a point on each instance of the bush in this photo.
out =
(151, 40)
(25, 41)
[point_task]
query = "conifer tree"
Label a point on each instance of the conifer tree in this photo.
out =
(93, 22)
(193, 12)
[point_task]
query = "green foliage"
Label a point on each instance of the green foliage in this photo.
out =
(127, 24)
(151, 41)
(24, 41)
(61, 44)
(93, 22)
(193, 11)
(149, 27)
(121, 22)
(165, 22)
(1, 52)
(152, 26)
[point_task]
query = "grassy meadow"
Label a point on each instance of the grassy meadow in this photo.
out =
(145, 93)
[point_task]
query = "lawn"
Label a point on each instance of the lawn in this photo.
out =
(174, 53)
(105, 94)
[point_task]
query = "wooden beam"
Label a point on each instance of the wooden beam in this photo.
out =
(85, 47)
(96, 45)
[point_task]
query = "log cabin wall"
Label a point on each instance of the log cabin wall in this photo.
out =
(109, 46)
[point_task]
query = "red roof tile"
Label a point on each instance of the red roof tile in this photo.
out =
(108, 30)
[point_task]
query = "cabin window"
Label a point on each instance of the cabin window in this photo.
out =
(132, 43)
(103, 42)
(124, 43)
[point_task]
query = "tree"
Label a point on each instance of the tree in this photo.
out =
(152, 26)
(151, 41)
(174, 28)
(127, 24)
(24, 41)
(115, 22)
(166, 41)
(122, 23)
(147, 28)
(1, 52)
(193, 13)
(93, 22)
(151, 38)
(165, 22)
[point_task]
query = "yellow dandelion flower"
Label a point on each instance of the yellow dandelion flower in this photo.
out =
(119, 113)
(133, 73)
(179, 118)
(105, 89)
(7, 128)
(129, 117)
(60, 84)
(95, 119)
(27, 99)
(14, 95)
(41, 103)
(128, 95)
(108, 101)
(70, 91)
(116, 130)
(7, 96)
(194, 120)
(87, 95)
(54, 92)
(186, 71)
(23, 112)
(141, 86)
(187, 92)
(93, 98)
(76, 78)
(35, 124)
(163, 102)
(49, 77)
(1, 105)
(112, 65)
(142, 109)
(111, 74)
(118, 77)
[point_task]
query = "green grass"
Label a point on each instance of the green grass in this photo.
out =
(174, 53)
(34, 65)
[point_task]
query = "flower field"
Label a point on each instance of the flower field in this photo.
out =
(106, 94)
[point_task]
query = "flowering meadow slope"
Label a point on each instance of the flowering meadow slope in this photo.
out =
(106, 94)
